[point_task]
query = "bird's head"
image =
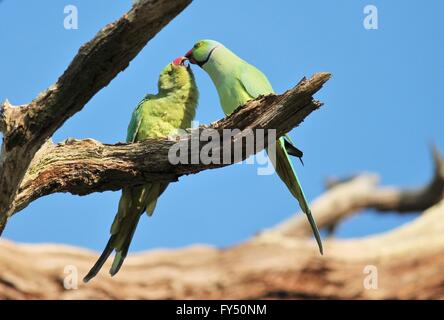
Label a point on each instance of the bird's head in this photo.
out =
(202, 51)
(175, 75)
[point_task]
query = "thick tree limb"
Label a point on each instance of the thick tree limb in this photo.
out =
(408, 263)
(85, 166)
(26, 128)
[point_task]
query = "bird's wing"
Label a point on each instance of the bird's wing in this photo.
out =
(291, 148)
(134, 125)
(136, 119)
(254, 81)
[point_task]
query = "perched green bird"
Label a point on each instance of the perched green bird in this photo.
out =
(174, 107)
(237, 82)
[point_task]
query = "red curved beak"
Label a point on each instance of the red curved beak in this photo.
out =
(179, 61)
(189, 56)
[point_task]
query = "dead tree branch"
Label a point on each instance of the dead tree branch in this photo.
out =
(26, 128)
(32, 167)
(361, 193)
(85, 166)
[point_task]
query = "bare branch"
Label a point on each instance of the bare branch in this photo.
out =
(414, 200)
(98, 62)
(362, 192)
(85, 166)
(26, 128)
(409, 262)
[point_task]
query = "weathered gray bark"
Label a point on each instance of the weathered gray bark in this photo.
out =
(26, 128)
(85, 166)
(32, 167)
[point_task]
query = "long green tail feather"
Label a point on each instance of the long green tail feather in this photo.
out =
(133, 202)
(286, 172)
(117, 263)
(123, 251)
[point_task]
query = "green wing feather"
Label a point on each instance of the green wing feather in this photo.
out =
(150, 192)
(254, 81)
(291, 149)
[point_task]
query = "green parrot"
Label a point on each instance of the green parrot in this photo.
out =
(174, 107)
(237, 82)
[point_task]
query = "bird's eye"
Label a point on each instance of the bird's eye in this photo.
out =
(197, 45)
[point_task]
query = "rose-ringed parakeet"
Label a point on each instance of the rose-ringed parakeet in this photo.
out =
(237, 82)
(174, 107)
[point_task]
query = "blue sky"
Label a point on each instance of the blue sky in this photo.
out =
(383, 107)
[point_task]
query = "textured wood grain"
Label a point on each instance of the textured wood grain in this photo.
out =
(85, 166)
(26, 128)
